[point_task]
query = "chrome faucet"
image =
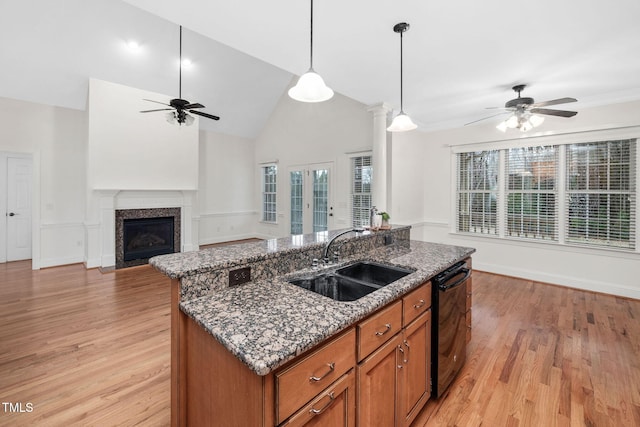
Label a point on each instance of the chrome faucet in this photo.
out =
(325, 256)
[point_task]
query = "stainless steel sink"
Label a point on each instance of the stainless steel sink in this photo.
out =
(373, 272)
(352, 282)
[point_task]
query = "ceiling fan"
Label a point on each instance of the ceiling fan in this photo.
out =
(526, 113)
(179, 108)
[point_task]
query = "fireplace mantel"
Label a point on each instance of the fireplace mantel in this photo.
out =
(101, 247)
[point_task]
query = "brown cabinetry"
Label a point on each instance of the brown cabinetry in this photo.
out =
(415, 375)
(394, 381)
(297, 384)
(333, 407)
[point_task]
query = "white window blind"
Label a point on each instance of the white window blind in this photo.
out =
(361, 173)
(531, 194)
(601, 193)
(296, 183)
(576, 193)
(477, 192)
(269, 174)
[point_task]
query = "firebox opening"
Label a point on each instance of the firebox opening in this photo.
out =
(147, 237)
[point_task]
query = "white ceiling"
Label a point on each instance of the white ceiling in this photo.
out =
(459, 56)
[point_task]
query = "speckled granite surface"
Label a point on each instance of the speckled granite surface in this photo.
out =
(267, 322)
(286, 249)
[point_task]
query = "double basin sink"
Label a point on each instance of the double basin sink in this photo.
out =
(353, 281)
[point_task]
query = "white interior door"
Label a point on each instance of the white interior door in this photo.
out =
(18, 212)
(310, 198)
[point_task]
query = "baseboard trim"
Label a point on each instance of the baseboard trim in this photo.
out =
(56, 262)
(556, 279)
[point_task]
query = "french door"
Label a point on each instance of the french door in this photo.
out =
(310, 202)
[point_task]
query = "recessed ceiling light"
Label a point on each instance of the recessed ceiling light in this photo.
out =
(187, 63)
(133, 46)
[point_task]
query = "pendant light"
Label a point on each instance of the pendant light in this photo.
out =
(401, 122)
(310, 86)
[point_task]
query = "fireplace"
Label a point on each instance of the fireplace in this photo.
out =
(145, 233)
(147, 237)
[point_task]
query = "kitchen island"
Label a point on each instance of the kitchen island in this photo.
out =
(233, 346)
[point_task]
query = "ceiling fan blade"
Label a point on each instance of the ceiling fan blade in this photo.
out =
(159, 109)
(194, 105)
(553, 102)
(488, 117)
(548, 112)
(157, 102)
(200, 113)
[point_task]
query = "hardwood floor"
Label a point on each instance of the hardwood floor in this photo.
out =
(544, 355)
(86, 348)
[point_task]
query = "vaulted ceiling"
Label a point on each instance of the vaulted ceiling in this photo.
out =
(459, 56)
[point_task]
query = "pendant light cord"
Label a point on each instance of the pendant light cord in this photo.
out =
(180, 69)
(401, 74)
(311, 40)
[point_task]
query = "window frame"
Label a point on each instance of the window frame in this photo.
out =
(269, 196)
(364, 221)
(562, 141)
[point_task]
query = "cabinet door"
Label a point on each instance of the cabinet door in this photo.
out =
(415, 377)
(377, 385)
(336, 406)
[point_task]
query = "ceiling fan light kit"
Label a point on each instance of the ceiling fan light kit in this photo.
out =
(311, 86)
(401, 122)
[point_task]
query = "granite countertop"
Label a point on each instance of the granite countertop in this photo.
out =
(185, 264)
(267, 323)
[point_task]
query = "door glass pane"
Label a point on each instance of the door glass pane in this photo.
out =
(296, 202)
(320, 199)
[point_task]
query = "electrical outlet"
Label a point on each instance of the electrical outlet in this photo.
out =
(239, 276)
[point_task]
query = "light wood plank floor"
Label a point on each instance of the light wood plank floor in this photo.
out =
(87, 348)
(84, 348)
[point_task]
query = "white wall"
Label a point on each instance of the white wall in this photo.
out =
(300, 133)
(56, 137)
(226, 196)
(133, 151)
(429, 156)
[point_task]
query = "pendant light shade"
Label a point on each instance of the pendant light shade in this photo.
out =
(310, 86)
(402, 122)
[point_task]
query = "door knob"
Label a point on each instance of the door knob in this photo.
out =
(12, 214)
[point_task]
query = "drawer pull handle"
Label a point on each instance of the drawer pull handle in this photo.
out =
(388, 326)
(420, 304)
(331, 366)
(321, 410)
(406, 344)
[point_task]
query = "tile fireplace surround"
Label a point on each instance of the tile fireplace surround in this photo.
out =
(122, 214)
(101, 227)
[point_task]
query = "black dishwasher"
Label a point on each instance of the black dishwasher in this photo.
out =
(449, 328)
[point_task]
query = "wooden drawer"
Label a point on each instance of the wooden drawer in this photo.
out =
(377, 329)
(299, 383)
(415, 303)
(335, 406)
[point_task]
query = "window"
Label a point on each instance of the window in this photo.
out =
(531, 192)
(297, 200)
(601, 195)
(579, 193)
(360, 190)
(477, 192)
(269, 193)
